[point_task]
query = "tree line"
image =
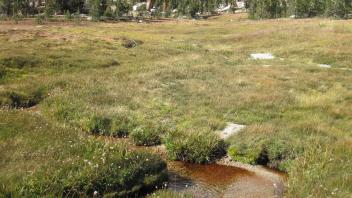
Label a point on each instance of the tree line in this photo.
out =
(299, 8)
(108, 8)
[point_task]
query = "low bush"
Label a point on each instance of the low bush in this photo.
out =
(146, 135)
(196, 147)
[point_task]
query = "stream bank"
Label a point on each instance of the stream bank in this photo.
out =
(225, 178)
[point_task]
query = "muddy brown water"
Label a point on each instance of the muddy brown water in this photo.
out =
(216, 180)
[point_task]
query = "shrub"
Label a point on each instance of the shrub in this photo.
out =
(198, 147)
(99, 125)
(147, 135)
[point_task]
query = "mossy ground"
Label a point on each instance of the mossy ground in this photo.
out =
(193, 76)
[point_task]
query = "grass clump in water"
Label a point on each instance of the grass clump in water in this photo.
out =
(99, 125)
(197, 147)
(261, 144)
(122, 125)
(146, 135)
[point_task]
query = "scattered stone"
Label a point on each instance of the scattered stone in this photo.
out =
(262, 56)
(230, 130)
(129, 43)
(324, 65)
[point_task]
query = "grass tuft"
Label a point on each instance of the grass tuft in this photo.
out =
(197, 147)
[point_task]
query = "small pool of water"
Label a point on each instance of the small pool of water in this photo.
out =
(219, 181)
(212, 174)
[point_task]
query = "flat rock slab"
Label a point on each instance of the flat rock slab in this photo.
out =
(262, 56)
(324, 65)
(230, 130)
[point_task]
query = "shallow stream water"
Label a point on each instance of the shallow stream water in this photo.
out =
(216, 180)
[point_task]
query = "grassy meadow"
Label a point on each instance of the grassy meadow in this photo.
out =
(177, 83)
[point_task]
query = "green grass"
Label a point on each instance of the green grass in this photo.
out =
(191, 77)
(40, 158)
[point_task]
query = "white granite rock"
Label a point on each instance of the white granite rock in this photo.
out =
(230, 130)
(262, 56)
